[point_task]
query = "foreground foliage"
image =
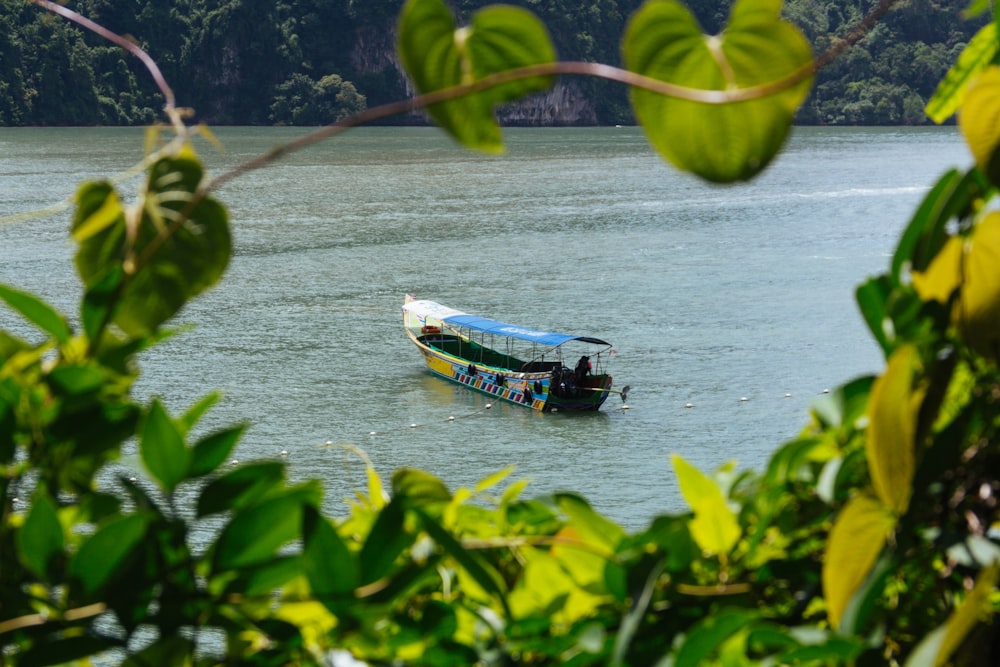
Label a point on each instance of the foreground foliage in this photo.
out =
(869, 539)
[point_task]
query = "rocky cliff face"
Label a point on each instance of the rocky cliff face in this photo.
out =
(564, 104)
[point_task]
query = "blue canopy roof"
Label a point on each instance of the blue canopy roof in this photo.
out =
(423, 308)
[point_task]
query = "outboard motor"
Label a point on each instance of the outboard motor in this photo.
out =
(564, 383)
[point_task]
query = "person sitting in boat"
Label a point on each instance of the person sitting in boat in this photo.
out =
(583, 368)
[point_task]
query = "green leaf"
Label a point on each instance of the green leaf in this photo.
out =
(719, 142)
(98, 209)
(41, 536)
(714, 526)
(193, 414)
(592, 527)
(164, 652)
(212, 450)
(633, 620)
(37, 312)
(386, 541)
(77, 379)
(835, 651)
(241, 488)
(673, 536)
(873, 297)
(255, 534)
(266, 577)
(437, 55)
(166, 263)
(328, 563)
(950, 93)
(98, 300)
(856, 540)
(162, 448)
(708, 636)
(594, 567)
(845, 405)
(56, 650)
(8, 425)
(483, 574)
(419, 487)
(494, 479)
(955, 195)
(107, 551)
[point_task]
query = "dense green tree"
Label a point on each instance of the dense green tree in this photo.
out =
(15, 102)
(302, 101)
(227, 59)
(61, 76)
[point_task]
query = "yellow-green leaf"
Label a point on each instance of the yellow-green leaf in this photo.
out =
(719, 142)
(714, 527)
(979, 116)
(969, 263)
(856, 540)
(943, 275)
(890, 446)
(969, 614)
(979, 306)
(108, 212)
(438, 55)
(936, 649)
(950, 93)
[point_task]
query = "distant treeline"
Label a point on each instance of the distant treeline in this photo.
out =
(310, 62)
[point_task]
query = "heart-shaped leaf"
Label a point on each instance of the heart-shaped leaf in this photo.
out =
(177, 251)
(719, 142)
(439, 55)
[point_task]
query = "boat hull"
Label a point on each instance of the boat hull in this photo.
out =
(534, 390)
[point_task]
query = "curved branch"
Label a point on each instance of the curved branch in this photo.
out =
(857, 33)
(422, 101)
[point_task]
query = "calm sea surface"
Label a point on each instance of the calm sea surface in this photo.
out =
(710, 294)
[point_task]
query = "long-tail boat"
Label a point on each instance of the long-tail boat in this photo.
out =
(522, 365)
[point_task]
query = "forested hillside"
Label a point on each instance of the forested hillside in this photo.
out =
(310, 62)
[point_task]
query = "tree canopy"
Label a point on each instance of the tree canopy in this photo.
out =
(248, 62)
